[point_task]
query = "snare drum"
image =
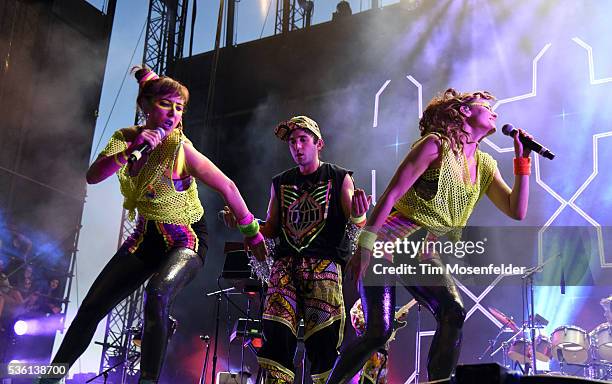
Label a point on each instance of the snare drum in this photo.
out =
(602, 341)
(571, 344)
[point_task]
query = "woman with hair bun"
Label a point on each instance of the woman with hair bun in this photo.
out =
(168, 244)
(432, 194)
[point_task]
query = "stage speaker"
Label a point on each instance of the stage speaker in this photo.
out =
(558, 379)
(233, 378)
(496, 374)
(484, 374)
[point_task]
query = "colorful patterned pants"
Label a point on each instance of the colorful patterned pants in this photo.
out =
(308, 289)
(375, 370)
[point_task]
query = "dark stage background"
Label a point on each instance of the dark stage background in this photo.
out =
(51, 73)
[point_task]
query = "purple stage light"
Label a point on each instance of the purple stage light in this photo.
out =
(20, 327)
(46, 325)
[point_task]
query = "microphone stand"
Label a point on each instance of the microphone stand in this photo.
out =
(126, 360)
(205, 339)
(532, 321)
(106, 371)
(528, 277)
(417, 355)
(216, 343)
(244, 332)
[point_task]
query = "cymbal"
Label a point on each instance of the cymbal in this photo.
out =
(505, 320)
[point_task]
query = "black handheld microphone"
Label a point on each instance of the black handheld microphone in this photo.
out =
(144, 148)
(509, 130)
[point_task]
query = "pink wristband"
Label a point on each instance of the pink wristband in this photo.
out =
(248, 219)
(254, 240)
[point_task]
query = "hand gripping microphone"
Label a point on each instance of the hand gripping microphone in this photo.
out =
(509, 130)
(144, 148)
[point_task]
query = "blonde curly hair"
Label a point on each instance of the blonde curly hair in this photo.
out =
(442, 116)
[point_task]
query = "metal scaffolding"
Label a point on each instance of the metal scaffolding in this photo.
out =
(292, 15)
(164, 42)
(165, 36)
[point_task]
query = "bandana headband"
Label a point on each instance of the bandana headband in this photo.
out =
(149, 76)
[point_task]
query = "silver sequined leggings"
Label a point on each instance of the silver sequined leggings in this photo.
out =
(124, 273)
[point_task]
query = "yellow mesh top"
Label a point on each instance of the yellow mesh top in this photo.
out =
(152, 191)
(450, 206)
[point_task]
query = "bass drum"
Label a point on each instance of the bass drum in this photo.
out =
(601, 337)
(570, 344)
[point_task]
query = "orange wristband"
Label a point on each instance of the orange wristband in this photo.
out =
(522, 166)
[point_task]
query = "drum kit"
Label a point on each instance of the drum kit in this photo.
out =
(569, 345)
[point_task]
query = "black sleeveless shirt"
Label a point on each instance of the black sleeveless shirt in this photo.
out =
(312, 220)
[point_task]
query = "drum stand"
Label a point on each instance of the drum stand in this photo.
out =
(503, 347)
(607, 372)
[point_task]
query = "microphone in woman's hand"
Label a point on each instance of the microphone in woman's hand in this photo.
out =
(144, 148)
(509, 130)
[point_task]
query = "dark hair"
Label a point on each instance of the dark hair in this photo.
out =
(163, 86)
(442, 115)
(315, 139)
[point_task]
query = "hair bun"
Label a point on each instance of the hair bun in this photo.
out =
(144, 74)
